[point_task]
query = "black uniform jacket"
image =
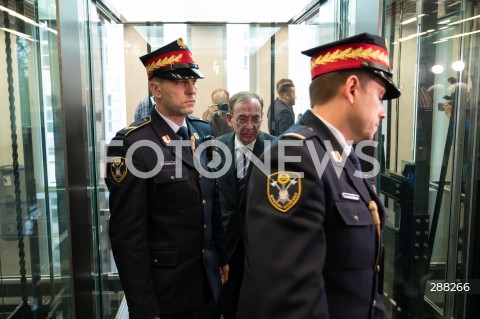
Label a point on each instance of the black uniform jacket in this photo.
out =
(232, 202)
(311, 244)
(165, 228)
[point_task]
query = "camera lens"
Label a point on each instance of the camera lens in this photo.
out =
(223, 107)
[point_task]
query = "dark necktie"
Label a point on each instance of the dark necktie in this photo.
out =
(354, 158)
(183, 133)
(356, 162)
(240, 166)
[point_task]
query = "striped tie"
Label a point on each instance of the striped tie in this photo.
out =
(241, 168)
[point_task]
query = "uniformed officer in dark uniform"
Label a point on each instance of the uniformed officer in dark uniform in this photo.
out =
(313, 228)
(165, 225)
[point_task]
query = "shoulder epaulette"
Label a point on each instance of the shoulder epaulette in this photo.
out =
(194, 118)
(135, 125)
(299, 133)
(202, 127)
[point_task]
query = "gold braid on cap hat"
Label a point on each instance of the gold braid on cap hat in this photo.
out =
(163, 62)
(181, 44)
(350, 53)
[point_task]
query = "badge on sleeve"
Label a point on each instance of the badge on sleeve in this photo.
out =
(284, 189)
(118, 169)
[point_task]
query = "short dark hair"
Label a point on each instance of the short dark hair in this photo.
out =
(243, 95)
(324, 87)
(284, 86)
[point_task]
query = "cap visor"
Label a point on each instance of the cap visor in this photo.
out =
(180, 74)
(392, 92)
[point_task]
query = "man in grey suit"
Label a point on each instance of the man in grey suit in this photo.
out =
(245, 110)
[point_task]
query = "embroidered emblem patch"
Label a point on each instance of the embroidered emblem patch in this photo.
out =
(284, 190)
(118, 169)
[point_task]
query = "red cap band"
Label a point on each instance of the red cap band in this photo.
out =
(349, 56)
(167, 59)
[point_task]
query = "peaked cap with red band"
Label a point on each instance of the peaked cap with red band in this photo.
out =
(362, 51)
(173, 61)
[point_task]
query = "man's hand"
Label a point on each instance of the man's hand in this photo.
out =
(224, 273)
(448, 109)
(212, 110)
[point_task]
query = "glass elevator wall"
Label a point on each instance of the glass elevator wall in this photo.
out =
(430, 156)
(35, 272)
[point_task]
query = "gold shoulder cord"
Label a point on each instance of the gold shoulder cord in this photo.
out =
(372, 206)
(296, 135)
(192, 143)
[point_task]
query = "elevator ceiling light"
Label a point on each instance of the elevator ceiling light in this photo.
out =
(437, 69)
(464, 20)
(409, 21)
(244, 11)
(18, 15)
(461, 35)
(453, 4)
(458, 65)
(20, 34)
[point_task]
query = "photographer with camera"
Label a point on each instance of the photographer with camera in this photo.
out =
(216, 114)
(450, 98)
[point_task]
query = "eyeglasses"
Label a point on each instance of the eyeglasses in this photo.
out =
(242, 120)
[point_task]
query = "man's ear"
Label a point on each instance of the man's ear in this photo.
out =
(229, 119)
(155, 89)
(352, 85)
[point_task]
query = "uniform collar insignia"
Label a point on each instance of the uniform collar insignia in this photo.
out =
(166, 139)
(336, 156)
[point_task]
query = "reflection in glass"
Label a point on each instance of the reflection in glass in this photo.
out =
(427, 142)
(34, 254)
